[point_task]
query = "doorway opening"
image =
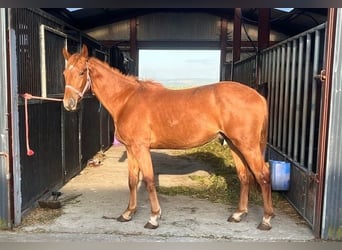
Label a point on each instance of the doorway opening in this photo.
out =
(179, 69)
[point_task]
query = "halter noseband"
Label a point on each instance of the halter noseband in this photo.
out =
(86, 87)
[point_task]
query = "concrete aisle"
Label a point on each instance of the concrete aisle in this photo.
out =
(103, 191)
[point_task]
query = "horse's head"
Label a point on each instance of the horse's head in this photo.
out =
(77, 79)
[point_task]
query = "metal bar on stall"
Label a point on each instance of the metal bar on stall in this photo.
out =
(292, 97)
(269, 75)
(298, 98)
(269, 84)
(296, 37)
(281, 96)
(286, 96)
(261, 68)
(305, 98)
(272, 88)
(313, 100)
(276, 100)
(270, 97)
(265, 67)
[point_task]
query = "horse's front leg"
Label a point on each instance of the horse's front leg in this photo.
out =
(133, 179)
(143, 156)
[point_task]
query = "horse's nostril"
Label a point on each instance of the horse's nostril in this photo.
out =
(69, 104)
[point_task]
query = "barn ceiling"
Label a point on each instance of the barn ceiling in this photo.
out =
(291, 23)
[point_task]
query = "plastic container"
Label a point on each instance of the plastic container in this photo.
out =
(280, 175)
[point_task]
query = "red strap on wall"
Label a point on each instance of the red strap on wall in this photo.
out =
(27, 96)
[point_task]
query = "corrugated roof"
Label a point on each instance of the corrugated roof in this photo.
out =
(289, 23)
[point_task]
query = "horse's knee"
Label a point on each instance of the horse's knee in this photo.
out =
(263, 179)
(150, 185)
(132, 182)
(244, 179)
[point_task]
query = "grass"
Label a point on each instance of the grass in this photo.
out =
(222, 185)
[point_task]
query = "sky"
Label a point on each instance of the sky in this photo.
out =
(180, 68)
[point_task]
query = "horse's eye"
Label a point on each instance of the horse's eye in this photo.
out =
(82, 73)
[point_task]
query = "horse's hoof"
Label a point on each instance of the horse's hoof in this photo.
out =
(234, 219)
(149, 225)
(264, 227)
(123, 219)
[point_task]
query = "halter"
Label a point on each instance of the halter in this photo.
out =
(86, 87)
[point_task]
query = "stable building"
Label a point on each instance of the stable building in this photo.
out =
(291, 57)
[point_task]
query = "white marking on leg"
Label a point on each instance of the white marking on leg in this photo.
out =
(127, 215)
(237, 216)
(266, 221)
(154, 218)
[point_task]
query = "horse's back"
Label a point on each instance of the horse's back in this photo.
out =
(219, 98)
(238, 90)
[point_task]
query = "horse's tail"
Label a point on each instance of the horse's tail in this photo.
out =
(263, 144)
(264, 132)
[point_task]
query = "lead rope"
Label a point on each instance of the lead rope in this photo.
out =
(27, 96)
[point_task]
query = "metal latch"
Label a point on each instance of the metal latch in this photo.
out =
(321, 76)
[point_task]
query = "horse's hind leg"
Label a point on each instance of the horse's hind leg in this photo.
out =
(261, 172)
(133, 179)
(243, 175)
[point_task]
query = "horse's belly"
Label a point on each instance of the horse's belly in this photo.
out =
(179, 135)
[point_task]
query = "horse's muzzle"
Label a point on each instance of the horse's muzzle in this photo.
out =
(70, 104)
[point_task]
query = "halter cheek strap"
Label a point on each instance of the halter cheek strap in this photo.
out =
(86, 87)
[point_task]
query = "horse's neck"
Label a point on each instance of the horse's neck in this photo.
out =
(111, 87)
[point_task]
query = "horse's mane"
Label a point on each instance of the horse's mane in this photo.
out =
(130, 78)
(116, 71)
(151, 84)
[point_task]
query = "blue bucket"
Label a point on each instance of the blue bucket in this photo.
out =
(280, 175)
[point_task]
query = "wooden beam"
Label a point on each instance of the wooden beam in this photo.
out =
(133, 42)
(178, 44)
(223, 47)
(263, 28)
(237, 35)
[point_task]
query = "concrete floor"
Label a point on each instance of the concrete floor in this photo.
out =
(102, 190)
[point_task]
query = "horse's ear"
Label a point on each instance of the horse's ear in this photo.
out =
(84, 51)
(66, 54)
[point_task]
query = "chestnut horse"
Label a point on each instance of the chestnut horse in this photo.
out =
(149, 116)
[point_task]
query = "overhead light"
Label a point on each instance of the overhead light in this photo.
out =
(73, 9)
(285, 9)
